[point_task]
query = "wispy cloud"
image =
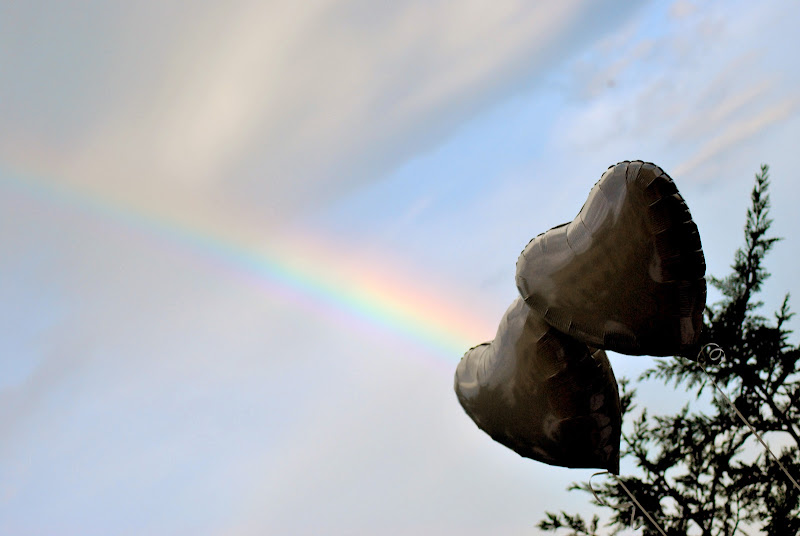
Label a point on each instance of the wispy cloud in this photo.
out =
(703, 121)
(268, 108)
(690, 88)
(682, 9)
(738, 132)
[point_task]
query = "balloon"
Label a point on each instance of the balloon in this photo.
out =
(627, 273)
(543, 394)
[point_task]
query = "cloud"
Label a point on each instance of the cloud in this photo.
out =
(692, 87)
(682, 9)
(699, 124)
(242, 113)
(138, 390)
(211, 408)
(738, 132)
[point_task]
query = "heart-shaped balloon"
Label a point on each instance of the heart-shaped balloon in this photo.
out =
(543, 394)
(627, 273)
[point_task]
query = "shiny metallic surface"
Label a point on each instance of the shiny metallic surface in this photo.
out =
(627, 274)
(543, 394)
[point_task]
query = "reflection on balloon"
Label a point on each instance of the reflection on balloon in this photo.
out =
(543, 394)
(627, 273)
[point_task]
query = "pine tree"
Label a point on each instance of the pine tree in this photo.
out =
(702, 471)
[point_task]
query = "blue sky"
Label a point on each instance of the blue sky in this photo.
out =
(150, 382)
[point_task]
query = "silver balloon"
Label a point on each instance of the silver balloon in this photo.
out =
(627, 273)
(543, 394)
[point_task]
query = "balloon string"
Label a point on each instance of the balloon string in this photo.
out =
(637, 503)
(714, 354)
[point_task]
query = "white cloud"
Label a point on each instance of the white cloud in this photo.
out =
(698, 125)
(693, 88)
(236, 115)
(682, 9)
(190, 402)
(737, 132)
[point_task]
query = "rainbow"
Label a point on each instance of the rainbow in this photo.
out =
(371, 295)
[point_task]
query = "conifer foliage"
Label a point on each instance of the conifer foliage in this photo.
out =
(702, 470)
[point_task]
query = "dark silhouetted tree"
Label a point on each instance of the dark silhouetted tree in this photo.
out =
(702, 471)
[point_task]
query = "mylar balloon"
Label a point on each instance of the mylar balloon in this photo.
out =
(627, 273)
(543, 394)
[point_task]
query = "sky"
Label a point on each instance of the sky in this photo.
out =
(243, 245)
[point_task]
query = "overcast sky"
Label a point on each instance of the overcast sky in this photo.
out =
(244, 244)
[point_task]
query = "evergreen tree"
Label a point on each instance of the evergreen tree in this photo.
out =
(704, 472)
